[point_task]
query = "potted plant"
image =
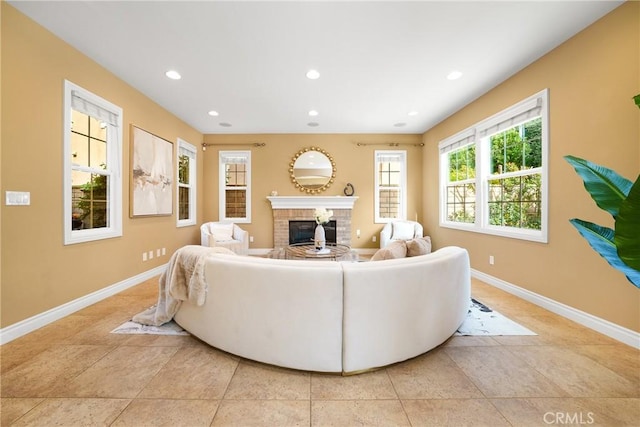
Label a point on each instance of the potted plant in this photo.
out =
(620, 197)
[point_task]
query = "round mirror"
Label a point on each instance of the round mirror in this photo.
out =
(312, 170)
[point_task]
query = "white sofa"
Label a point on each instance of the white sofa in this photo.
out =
(331, 316)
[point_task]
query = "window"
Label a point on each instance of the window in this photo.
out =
(235, 186)
(493, 175)
(92, 166)
(186, 184)
(390, 185)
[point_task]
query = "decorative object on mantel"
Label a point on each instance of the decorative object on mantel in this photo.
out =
(312, 170)
(349, 190)
(274, 193)
(322, 216)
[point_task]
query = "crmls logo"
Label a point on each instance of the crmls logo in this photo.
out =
(568, 418)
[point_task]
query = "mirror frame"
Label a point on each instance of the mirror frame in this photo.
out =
(302, 187)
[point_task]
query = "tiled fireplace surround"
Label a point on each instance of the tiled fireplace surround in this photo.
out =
(301, 208)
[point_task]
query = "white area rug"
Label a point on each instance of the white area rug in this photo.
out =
(481, 320)
(169, 328)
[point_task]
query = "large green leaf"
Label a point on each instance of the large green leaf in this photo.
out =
(601, 240)
(636, 99)
(606, 187)
(627, 234)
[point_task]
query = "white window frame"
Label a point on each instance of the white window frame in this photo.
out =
(111, 114)
(222, 214)
(533, 106)
(190, 150)
(402, 214)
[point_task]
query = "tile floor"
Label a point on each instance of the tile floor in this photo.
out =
(75, 373)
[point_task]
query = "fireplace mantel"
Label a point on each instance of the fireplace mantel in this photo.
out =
(312, 202)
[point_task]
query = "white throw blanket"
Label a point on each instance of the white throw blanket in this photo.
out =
(183, 280)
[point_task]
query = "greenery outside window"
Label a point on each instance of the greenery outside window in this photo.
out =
(187, 195)
(390, 185)
(235, 186)
(493, 175)
(92, 165)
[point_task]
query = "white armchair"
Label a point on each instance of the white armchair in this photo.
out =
(227, 235)
(400, 230)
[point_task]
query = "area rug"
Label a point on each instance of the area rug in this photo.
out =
(481, 320)
(169, 328)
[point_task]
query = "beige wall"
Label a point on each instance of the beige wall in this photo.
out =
(38, 271)
(270, 171)
(591, 80)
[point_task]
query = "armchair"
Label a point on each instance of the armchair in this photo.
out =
(400, 230)
(227, 235)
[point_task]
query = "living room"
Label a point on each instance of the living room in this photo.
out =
(591, 79)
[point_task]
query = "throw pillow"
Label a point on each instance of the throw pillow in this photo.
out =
(392, 251)
(419, 246)
(221, 232)
(403, 231)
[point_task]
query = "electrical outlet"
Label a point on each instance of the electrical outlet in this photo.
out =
(157, 252)
(374, 238)
(491, 260)
(164, 251)
(358, 233)
(144, 256)
(150, 254)
(250, 239)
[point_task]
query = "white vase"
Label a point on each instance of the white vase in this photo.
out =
(319, 240)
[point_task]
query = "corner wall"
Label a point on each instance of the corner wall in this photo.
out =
(38, 271)
(591, 79)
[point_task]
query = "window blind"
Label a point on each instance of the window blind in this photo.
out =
(92, 109)
(457, 141)
(515, 116)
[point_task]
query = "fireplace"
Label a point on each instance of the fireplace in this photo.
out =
(287, 209)
(304, 231)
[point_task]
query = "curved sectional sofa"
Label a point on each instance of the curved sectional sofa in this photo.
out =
(331, 316)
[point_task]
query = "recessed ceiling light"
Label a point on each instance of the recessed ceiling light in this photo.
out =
(454, 75)
(413, 113)
(313, 113)
(313, 124)
(399, 125)
(173, 75)
(313, 74)
(213, 113)
(225, 125)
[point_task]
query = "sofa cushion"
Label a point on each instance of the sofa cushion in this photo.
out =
(403, 230)
(221, 232)
(394, 250)
(419, 246)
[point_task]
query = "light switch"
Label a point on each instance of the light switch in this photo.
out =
(18, 198)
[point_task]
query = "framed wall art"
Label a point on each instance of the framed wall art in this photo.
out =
(151, 174)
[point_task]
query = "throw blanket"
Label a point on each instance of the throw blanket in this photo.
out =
(183, 280)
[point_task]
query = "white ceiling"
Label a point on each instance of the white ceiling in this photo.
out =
(378, 60)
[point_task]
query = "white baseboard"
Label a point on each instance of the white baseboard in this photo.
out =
(23, 327)
(605, 327)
